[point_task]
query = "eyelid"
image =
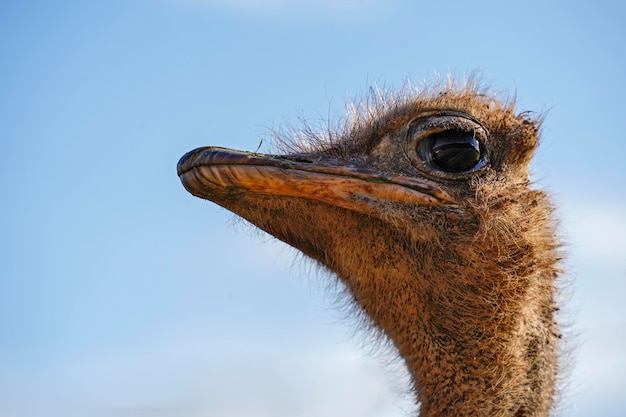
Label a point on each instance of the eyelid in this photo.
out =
(433, 122)
(437, 114)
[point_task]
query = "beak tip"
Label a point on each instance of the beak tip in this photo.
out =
(186, 161)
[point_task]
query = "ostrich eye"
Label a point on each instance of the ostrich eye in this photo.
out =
(450, 145)
(454, 151)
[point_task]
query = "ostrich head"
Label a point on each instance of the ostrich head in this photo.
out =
(423, 208)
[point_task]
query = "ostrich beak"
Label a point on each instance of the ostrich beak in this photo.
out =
(307, 176)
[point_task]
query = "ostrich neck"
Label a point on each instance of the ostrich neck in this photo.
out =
(506, 369)
(475, 344)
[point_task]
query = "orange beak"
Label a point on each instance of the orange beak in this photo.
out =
(303, 176)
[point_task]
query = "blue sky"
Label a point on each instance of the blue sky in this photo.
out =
(122, 295)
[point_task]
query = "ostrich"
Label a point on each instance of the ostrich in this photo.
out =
(422, 207)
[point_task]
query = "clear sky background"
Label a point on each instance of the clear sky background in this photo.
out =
(122, 295)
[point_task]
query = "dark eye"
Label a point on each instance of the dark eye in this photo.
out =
(451, 151)
(449, 144)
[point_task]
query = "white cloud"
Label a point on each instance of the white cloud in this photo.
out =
(597, 232)
(205, 378)
(598, 380)
(273, 6)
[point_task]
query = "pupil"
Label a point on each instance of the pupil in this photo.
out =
(454, 151)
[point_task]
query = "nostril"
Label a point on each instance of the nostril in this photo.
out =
(302, 158)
